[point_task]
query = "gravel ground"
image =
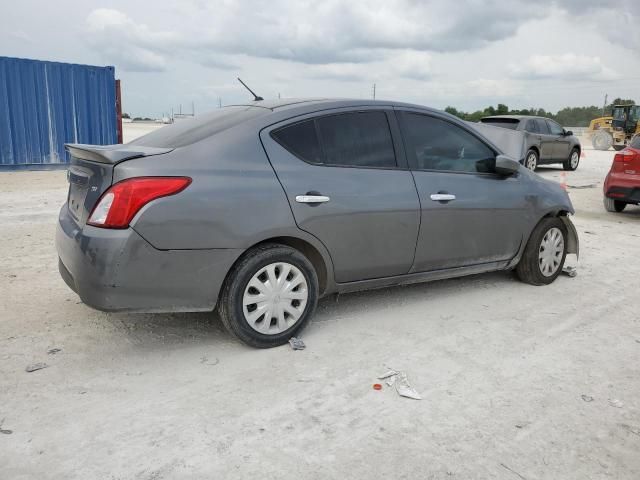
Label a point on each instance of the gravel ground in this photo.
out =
(518, 382)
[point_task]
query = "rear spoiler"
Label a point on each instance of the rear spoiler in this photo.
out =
(511, 142)
(112, 154)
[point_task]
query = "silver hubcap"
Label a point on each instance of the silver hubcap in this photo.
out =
(575, 158)
(275, 298)
(531, 162)
(551, 250)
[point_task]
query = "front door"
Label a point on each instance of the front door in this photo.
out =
(343, 182)
(561, 142)
(470, 216)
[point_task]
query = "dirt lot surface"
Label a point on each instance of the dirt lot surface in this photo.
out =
(518, 382)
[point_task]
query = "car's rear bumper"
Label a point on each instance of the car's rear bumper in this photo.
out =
(113, 270)
(623, 187)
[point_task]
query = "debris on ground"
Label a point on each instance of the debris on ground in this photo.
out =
(205, 360)
(53, 351)
(589, 232)
(579, 187)
(297, 343)
(4, 431)
(377, 386)
(35, 367)
(587, 398)
(400, 380)
(614, 402)
(570, 271)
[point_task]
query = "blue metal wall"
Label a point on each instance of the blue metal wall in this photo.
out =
(44, 105)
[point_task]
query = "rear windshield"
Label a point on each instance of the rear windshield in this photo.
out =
(510, 123)
(191, 130)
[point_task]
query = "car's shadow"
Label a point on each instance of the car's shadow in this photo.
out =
(189, 329)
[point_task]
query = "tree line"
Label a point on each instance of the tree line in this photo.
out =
(568, 116)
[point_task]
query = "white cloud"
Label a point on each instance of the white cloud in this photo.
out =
(131, 46)
(565, 66)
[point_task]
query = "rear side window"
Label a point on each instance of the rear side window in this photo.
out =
(531, 126)
(510, 123)
(542, 126)
(301, 139)
(187, 131)
(434, 144)
(359, 139)
(635, 142)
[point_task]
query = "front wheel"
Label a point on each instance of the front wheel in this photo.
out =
(572, 162)
(269, 296)
(544, 255)
(602, 140)
(611, 205)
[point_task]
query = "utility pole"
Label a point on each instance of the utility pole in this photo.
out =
(219, 102)
(606, 96)
(374, 91)
(193, 109)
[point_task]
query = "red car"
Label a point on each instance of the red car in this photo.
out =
(622, 185)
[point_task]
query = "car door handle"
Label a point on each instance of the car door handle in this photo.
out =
(442, 197)
(312, 199)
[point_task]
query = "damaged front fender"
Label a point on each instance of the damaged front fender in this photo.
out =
(573, 244)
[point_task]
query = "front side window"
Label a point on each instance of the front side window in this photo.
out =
(434, 144)
(542, 126)
(554, 128)
(358, 139)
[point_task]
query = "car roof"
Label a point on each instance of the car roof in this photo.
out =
(513, 117)
(280, 104)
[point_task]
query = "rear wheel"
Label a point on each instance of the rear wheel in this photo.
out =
(611, 205)
(544, 255)
(269, 296)
(602, 140)
(531, 160)
(572, 162)
(617, 148)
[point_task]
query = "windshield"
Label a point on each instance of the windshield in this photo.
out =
(510, 123)
(634, 113)
(618, 113)
(192, 130)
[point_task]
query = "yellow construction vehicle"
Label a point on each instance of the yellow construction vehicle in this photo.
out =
(616, 130)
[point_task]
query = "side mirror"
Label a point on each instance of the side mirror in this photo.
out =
(567, 133)
(506, 166)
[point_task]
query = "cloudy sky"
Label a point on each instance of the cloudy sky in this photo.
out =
(465, 53)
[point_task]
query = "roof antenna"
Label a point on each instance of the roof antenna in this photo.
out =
(256, 98)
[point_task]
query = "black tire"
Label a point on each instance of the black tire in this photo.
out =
(531, 160)
(617, 148)
(602, 140)
(230, 307)
(528, 270)
(611, 205)
(569, 164)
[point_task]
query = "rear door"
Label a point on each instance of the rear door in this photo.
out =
(546, 141)
(561, 142)
(470, 216)
(347, 184)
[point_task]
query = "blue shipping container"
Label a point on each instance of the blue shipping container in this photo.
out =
(44, 105)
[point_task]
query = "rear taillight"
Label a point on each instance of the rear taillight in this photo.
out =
(118, 205)
(624, 156)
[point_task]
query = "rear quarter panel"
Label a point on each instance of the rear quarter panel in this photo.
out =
(234, 201)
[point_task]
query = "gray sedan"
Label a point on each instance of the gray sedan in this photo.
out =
(258, 210)
(545, 141)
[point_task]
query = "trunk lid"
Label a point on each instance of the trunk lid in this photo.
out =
(90, 173)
